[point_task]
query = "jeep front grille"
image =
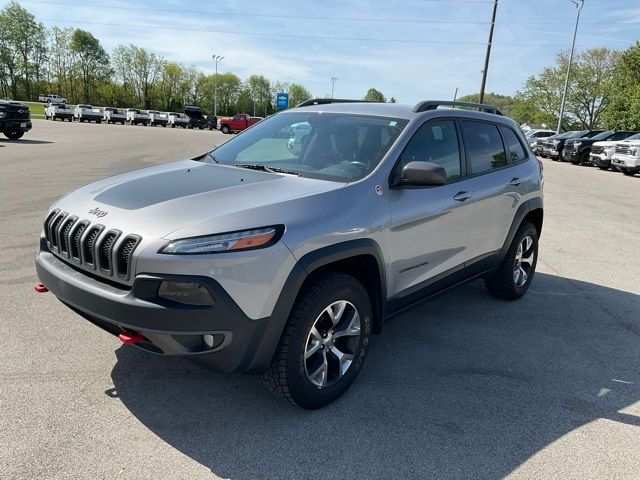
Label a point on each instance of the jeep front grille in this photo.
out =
(92, 247)
(623, 149)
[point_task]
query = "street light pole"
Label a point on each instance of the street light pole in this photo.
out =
(579, 4)
(333, 84)
(486, 58)
(216, 59)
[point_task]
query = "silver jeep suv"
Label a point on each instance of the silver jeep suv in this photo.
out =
(260, 258)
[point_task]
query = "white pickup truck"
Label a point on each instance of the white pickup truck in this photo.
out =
(54, 111)
(52, 98)
(113, 115)
(626, 156)
(178, 120)
(137, 117)
(157, 118)
(87, 113)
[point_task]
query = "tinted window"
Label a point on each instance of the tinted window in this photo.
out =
(620, 135)
(483, 145)
(435, 142)
(516, 150)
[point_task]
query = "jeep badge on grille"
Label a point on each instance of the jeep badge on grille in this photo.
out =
(97, 212)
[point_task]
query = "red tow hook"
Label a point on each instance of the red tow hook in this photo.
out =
(40, 288)
(130, 337)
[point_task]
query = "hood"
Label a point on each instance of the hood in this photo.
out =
(157, 201)
(629, 142)
(10, 106)
(606, 143)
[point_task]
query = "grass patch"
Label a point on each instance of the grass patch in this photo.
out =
(36, 109)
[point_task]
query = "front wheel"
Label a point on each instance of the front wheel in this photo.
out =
(225, 129)
(628, 171)
(324, 343)
(14, 135)
(514, 275)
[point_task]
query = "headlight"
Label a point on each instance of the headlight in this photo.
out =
(577, 144)
(608, 149)
(633, 150)
(556, 142)
(3, 114)
(225, 242)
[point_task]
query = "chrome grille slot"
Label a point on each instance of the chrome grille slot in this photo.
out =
(89, 244)
(124, 254)
(47, 225)
(55, 225)
(105, 250)
(65, 228)
(74, 240)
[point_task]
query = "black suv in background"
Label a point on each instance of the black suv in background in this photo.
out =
(196, 119)
(577, 150)
(15, 119)
(554, 147)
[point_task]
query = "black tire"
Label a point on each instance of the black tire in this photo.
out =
(628, 171)
(584, 158)
(501, 283)
(14, 135)
(173, 125)
(287, 376)
(602, 167)
(225, 129)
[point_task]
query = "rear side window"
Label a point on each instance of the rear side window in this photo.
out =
(435, 142)
(516, 150)
(483, 145)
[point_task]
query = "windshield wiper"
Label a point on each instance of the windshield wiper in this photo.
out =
(266, 168)
(210, 155)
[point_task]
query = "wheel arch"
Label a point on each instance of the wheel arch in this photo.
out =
(361, 258)
(532, 211)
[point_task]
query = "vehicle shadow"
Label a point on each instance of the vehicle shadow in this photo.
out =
(24, 141)
(464, 386)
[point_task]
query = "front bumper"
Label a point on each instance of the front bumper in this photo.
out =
(551, 152)
(15, 125)
(168, 327)
(626, 161)
(600, 159)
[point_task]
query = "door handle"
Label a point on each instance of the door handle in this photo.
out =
(462, 196)
(515, 181)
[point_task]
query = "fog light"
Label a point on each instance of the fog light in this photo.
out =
(185, 292)
(208, 340)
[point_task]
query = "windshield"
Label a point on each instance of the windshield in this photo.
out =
(633, 137)
(339, 147)
(602, 136)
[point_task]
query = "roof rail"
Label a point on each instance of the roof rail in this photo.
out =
(325, 101)
(433, 104)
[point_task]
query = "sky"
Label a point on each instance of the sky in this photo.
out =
(411, 50)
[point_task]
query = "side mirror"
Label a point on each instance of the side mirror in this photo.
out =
(424, 174)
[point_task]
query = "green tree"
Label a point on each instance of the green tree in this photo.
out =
(260, 88)
(22, 48)
(623, 111)
(374, 95)
(92, 60)
(298, 94)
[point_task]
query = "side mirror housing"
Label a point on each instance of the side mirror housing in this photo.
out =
(425, 174)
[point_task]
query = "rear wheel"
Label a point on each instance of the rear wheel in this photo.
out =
(14, 134)
(324, 343)
(514, 275)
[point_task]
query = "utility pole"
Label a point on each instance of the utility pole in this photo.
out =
(333, 84)
(216, 59)
(579, 4)
(486, 58)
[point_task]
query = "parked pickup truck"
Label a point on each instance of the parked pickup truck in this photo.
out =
(178, 120)
(15, 119)
(52, 98)
(626, 156)
(157, 118)
(237, 123)
(602, 152)
(137, 117)
(196, 119)
(113, 115)
(87, 113)
(578, 151)
(54, 111)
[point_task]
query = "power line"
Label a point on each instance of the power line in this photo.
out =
(322, 18)
(304, 36)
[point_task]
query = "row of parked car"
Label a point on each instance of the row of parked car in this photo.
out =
(192, 118)
(616, 149)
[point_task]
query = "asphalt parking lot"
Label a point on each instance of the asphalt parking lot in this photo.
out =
(465, 386)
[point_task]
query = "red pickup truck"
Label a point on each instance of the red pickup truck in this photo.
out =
(237, 123)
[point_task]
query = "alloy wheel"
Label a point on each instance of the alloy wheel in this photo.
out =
(523, 264)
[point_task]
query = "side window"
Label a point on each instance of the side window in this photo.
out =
(483, 145)
(437, 142)
(516, 150)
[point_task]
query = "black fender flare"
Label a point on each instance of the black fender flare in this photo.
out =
(523, 210)
(302, 269)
